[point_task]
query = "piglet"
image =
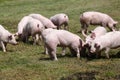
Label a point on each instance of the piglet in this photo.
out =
(6, 37)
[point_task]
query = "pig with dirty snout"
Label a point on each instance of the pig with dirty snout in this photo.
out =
(110, 40)
(6, 37)
(97, 32)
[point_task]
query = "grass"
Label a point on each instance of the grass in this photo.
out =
(27, 62)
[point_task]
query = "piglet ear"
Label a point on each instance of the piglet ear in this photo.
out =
(10, 37)
(115, 22)
(93, 35)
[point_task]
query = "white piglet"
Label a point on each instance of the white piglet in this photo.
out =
(33, 28)
(6, 37)
(61, 38)
(97, 32)
(96, 18)
(59, 20)
(23, 22)
(108, 41)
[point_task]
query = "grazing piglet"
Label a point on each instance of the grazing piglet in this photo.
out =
(96, 18)
(61, 38)
(33, 28)
(6, 37)
(59, 20)
(97, 32)
(23, 22)
(45, 21)
(108, 41)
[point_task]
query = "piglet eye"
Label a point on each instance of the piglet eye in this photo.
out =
(38, 25)
(10, 37)
(95, 45)
(45, 27)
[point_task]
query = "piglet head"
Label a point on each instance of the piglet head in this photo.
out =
(115, 23)
(112, 26)
(12, 40)
(94, 47)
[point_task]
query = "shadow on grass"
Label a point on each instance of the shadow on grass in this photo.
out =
(81, 76)
(7, 50)
(58, 56)
(89, 76)
(30, 42)
(116, 56)
(89, 58)
(93, 56)
(44, 59)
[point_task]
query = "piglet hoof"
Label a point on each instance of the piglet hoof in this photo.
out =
(46, 52)
(55, 59)
(4, 51)
(78, 56)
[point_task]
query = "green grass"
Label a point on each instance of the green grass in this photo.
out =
(27, 62)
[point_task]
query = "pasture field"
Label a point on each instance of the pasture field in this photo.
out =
(28, 62)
